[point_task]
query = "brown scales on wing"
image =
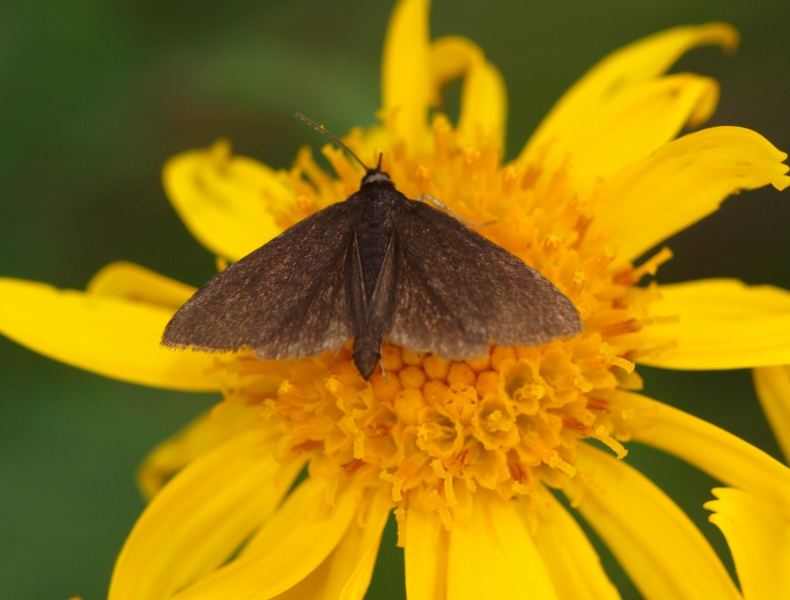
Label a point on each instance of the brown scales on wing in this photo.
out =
(375, 266)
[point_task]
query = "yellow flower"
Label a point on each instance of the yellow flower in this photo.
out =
(466, 453)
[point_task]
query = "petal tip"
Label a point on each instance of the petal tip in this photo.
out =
(723, 35)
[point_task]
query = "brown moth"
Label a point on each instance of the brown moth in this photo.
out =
(376, 266)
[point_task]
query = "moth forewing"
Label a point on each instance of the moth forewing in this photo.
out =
(285, 299)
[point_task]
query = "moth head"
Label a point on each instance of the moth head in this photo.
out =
(375, 176)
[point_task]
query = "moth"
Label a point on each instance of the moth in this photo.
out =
(376, 266)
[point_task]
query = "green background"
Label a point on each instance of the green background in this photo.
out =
(94, 96)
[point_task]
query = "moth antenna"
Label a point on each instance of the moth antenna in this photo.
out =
(322, 129)
(378, 166)
(438, 204)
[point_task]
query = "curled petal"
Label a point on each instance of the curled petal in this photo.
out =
(296, 540)
(631, 126)
(483, 98)
(683, 182)
(200, 518)
(228, 203)
(758, 533)
(104, 334)
(569, 556)
(493, 555)
(723, 324)
(133, 282)
(406, 72)
(713, 450)
(773, 389)
(628, 67)
(659, 547)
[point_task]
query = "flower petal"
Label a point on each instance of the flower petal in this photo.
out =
(717, 452)
(354, 558)
(773, 389)
(228, 203)
(631, 126)
(345, 574)
(483, 98)
(299, 536)
(570, 558)
(110, 336)
(493, 555)
(133, 282)
(406, 72)
(225, 421)
(311, 586)
(724, 324)
(758, 533)
(425, 556)
(200, 518)
(684, 181)
(662, 551)
(628, 67)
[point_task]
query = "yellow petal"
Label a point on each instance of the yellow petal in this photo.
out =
(425, 556)
(717, 452)
(493, 555)
(631, 66)
(345, 573)
(110, 336)
(406, 73)
(758, 533)
(311, 587)
(659, 547)
(483, 97)
(684, 181)
(773, 389)
(354, 558)
(200, 518)
(133, 282)
(570, 558)
(205, 433)
(724, 324)
(299, 536)
(631, 126)
(228, 203)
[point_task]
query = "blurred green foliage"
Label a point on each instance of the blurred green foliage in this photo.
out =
(95, 95)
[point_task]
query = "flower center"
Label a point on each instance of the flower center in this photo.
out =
(437, 430)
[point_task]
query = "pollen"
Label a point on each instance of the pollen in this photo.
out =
(436, 429)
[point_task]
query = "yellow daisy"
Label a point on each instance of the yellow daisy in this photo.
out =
(465, 453)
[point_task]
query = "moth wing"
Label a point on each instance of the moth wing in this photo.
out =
(457, 291)
(285, 299)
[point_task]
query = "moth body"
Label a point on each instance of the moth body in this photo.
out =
(375, 266)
